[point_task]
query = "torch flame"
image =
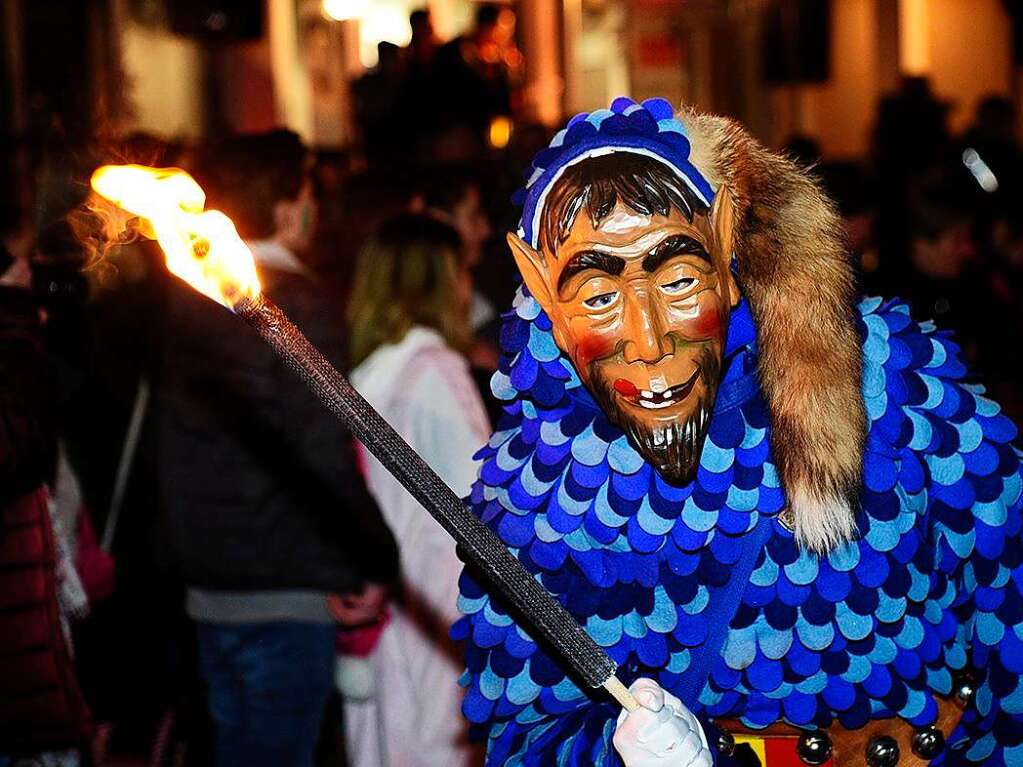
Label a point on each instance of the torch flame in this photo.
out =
(201, 247)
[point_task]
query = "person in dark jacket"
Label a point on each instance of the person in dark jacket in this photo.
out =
(270, 523)
(42, 712)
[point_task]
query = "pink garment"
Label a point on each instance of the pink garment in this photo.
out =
(362, 641)
(413, 717)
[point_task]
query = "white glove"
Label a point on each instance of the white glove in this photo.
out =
(661, 732)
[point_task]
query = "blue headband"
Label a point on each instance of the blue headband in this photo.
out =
(649, 129)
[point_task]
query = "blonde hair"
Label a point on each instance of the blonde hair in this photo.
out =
(407, 274)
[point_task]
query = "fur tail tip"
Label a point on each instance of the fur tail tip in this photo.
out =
(822, 523)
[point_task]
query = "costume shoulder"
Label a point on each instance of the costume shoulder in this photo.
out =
(939, 458)
(933, 435)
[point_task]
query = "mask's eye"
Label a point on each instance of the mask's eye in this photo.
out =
(601, 301)
(680, 286)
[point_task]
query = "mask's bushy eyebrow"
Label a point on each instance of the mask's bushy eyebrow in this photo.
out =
(644, 185)
(590, 259)
(674, 245)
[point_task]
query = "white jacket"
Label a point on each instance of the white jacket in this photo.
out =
(424, 389)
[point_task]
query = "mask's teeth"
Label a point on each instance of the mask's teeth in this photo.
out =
(647, 394)
(652, 405)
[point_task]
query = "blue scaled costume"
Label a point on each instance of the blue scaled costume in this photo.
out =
(703, 587)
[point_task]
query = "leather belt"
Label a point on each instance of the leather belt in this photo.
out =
(879, 743)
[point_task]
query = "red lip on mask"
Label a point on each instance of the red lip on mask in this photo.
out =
(626, 388)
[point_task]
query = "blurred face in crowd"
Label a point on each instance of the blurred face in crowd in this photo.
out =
(947, 253)
(1008, 242)
(470, 221)
(640, 304)
(296, 219)
(423, 37)
(495, 35)
(458, 275)
(463, 286)
(504, 30)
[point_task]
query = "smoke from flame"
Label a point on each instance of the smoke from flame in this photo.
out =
(201, 247)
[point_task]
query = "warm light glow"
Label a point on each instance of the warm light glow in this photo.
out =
(344, 10)
(383, 21)
(202, 247)
(500, 132)
(914, 37)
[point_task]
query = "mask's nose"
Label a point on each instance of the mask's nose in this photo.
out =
(645, 337)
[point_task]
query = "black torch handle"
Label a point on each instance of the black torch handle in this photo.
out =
(481, 546)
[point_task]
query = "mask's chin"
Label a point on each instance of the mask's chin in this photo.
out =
(671, 446)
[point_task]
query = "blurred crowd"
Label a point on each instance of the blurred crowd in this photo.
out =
(440, 97)
(934, 219)
(240, 582)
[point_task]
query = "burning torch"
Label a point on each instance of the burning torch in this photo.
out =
(203, 248)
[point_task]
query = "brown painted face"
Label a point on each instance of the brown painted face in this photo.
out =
(640, 304)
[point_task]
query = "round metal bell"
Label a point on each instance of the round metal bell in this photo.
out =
(726, 743)
(882, 751)
(928, 742)
(814, 747)
(962, 692)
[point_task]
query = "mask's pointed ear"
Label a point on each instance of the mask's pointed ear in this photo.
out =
(534, 270)
(722, 220)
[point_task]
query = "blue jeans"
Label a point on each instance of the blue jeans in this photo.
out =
(268, 685)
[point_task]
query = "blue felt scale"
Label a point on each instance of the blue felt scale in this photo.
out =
(874, 629)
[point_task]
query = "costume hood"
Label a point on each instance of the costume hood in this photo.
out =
(792, 268)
